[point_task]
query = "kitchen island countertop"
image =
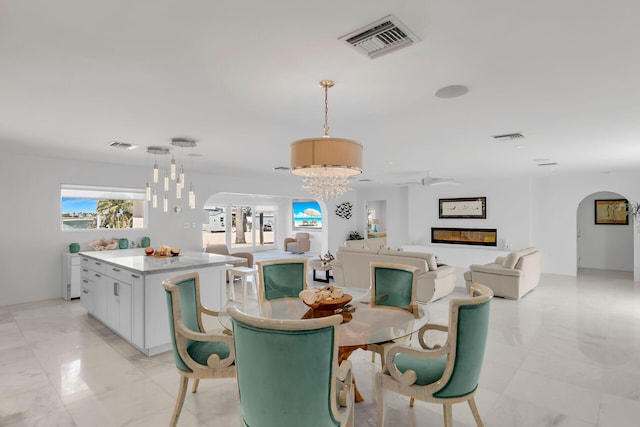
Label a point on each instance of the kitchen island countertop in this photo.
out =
(136, 260)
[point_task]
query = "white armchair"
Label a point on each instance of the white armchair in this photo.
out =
(509, 277)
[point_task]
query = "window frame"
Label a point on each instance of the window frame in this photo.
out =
(103, 193)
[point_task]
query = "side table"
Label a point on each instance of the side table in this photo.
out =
(243, 273)
(318, 265)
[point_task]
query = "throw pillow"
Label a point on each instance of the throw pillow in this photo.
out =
(432, 263)
(510, 260)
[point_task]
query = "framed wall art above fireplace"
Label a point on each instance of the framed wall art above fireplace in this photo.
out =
(468, 207)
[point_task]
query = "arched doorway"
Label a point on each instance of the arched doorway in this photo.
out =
(266, 220)
(603, 246)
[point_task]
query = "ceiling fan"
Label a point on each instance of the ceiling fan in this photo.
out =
(429, 181)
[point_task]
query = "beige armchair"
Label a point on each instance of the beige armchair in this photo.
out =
(509, 277)
(298, 244)
(223, 250)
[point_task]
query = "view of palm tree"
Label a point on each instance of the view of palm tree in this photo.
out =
(115, 213)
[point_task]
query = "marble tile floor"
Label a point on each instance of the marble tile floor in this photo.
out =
(566, 355)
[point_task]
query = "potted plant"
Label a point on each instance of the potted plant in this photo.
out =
(354, 235)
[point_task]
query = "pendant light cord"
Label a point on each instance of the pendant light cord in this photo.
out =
(326, 111)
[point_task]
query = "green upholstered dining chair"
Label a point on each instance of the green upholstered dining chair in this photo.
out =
(281, 278)
(198, 354)
(392, 285)
(445, 374)
(288, 372)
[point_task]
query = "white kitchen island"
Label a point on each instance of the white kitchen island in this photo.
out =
(123, 290)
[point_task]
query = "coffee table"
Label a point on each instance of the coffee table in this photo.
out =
(318, 265)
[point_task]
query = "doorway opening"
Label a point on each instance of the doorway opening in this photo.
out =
(603, 246)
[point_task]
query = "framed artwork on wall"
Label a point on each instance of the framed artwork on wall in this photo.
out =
(611, 211)
(469, 207)
(307, 215)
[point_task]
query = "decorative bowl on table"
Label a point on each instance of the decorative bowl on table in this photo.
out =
(330, 304)
(325, 299)
(162, 251)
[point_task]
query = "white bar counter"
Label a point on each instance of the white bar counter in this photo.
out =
(123, 289)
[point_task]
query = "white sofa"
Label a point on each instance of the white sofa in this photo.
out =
(352, 267)
(509, 277)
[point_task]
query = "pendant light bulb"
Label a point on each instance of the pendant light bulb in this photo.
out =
(178, 191)
(173, 168)
(192, 197)
(155, 172)
(165, 204)
(154, 199)
(166, 181)
(148, 192)
(181, 176)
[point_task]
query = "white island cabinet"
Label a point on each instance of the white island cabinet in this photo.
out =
(123, 289)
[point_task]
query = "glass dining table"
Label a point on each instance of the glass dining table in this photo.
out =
(362, 324)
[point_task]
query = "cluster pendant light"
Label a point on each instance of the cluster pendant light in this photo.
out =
(170, 175)
(326, 163)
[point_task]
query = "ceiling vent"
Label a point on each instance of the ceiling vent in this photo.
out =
(381, 37)
(122, 145)
(508, 136)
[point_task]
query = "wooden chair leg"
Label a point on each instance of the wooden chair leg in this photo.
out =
(379, 399)
(411, 402)
(184, 382)
(196, 382)
(474, 411)
(448, 415)
(373, 357)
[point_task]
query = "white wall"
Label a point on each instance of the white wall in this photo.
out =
(554, 204)
(507, 210)
(603, 246)
(526, 211)
(341, 227)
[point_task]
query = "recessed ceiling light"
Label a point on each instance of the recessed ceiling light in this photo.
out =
(519, 146)
(194, 155)
(452, 91)
(541, 160)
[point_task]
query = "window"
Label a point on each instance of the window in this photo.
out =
(87, 208)
(240, 226)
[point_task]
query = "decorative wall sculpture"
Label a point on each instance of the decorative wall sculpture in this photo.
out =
(343, 210)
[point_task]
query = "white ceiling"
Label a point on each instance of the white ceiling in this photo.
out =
(241, 77)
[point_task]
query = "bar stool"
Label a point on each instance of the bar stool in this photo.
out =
(243, 273)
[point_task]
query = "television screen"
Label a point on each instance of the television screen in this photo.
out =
(307, 215)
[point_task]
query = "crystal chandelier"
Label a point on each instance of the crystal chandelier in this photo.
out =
(326, 163)
(170, 174)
